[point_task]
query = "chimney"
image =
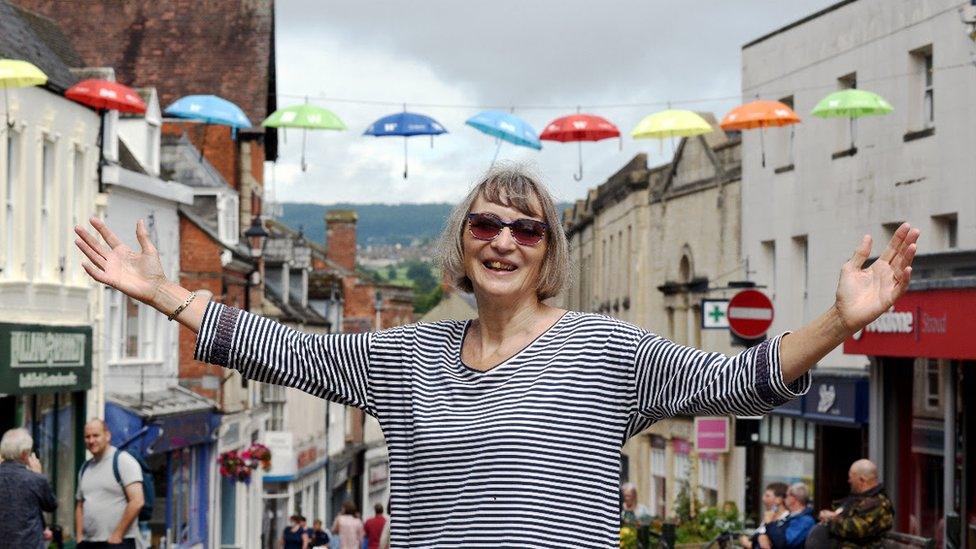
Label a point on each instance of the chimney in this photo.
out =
(340, 236)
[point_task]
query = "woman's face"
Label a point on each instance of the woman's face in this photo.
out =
(501, 267)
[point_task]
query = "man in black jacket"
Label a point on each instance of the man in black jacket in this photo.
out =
(24, 491)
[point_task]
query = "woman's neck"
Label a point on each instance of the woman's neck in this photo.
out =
(499, 321)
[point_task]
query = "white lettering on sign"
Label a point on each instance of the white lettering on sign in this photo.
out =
(890, 322)
(934, 324)
(828, 395)
(34, 349)
(35, 379)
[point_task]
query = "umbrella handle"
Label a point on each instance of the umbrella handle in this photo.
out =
(579, 176)
(304, 137)
(498, 147)
(404, 152)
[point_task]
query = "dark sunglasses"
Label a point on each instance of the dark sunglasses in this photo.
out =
(527, 232)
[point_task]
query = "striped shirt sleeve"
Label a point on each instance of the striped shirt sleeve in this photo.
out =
(330, 366)
(672, 379)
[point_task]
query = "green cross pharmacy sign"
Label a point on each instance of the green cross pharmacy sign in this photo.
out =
(714, 314)
(36, 358)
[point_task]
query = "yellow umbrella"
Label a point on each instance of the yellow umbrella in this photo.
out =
(671, 123)
(18, 74)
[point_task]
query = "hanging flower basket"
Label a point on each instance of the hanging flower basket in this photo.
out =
(240, 465)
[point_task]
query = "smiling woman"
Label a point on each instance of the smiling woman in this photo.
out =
(506, 430)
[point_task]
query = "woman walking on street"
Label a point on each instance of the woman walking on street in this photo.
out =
(505, 431)
(349, 527)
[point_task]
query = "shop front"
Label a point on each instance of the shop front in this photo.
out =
(174, 431)
(44, 373)
(814, 439)
(923, 369)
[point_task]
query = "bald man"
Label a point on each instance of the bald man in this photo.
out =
(859, 520)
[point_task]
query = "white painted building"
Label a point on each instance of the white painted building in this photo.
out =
(822, 188)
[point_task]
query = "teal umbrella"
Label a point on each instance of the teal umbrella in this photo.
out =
(306, 117)
(851, 103)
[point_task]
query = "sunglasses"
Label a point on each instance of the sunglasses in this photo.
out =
(527, 232)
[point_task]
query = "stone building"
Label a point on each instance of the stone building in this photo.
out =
(647, 245)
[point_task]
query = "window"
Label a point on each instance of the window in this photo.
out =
(788, 431)
(46, 257)
(768, 266)
(783, 138)
(922, 104)
(130, 329)
(933, 385)
(228, 220)
(946, 230)
(77, 206)
(12, 151)
(228, 511)
(801, 272)
(844, 141)
(889, 230)
(708, 479)
(659, 475)
(628, 258)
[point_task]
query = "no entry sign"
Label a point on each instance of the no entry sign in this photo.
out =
(750, 314)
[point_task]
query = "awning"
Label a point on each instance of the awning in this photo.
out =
(840, 399)
(160, 421)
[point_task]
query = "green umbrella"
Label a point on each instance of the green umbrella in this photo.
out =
(851, 104)
(306, 117)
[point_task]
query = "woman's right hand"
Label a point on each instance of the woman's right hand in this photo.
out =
(138, 275)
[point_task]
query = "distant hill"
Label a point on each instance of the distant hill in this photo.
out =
(379, 224)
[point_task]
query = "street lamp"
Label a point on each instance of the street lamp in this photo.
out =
(256, 237)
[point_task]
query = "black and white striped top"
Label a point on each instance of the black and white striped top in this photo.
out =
(526, 454)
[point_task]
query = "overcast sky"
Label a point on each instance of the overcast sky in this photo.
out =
(450, 59)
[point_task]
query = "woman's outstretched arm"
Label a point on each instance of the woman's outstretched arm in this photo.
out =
(137, 274)
(862, 296)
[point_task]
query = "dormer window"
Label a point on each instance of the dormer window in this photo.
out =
(227, 219)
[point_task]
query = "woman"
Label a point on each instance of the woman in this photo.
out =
(506, 430)
(349, 526)
(295, 536)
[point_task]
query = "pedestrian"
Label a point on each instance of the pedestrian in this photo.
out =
(24, 491)
(385, 536)
(295, 536)
(374, 527)
(317, 537)
(790, 532)
(106, 505)
(349, 527)
(859, 520)
(633, 513)
(773, 509)
(509, 426)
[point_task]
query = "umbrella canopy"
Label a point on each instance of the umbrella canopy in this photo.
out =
(851, 103)
(759, 114)
(106, 95)
(507, 127)
(20, 74)
(209, 109)
(306, 117)
(671, 123)
(405, 124)
(579, 127)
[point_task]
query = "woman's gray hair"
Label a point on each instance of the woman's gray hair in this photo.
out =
(14, 444)
(513, 186)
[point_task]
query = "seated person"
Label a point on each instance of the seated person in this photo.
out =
(791, 532)
(859, 520)
(773, 510)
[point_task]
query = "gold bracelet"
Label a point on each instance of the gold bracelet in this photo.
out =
(189, 299)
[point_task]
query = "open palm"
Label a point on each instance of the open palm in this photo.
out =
(138, 275)
(864, 294)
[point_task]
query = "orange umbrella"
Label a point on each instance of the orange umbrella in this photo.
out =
(759, 114)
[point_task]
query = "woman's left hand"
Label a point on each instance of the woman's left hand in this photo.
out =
(864, 294)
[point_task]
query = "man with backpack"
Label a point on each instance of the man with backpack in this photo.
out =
(110, 494)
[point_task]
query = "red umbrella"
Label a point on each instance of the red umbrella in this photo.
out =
(103, 95)
(579, 128)
(106, 95)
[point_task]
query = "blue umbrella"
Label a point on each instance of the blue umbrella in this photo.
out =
(209, 109)
(506, 127)
(405, 124)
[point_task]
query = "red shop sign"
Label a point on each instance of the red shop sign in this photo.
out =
(930, 323)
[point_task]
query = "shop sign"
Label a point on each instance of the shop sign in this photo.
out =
(44, 359)
(378, 473)
(832, 399)
(282, 446)
(185, 430)
(712, 434)
(929, 323)
(714, 314)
